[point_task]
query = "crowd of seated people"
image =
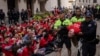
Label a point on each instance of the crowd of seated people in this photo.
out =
(30, 38)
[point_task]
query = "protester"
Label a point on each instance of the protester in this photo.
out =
(18, 35)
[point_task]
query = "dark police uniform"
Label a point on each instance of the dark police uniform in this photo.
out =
(16, 16)
(2, 16)
(10, 19)
(88, 38)
(24, 15)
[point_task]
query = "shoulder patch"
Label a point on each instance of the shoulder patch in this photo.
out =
(89, 25)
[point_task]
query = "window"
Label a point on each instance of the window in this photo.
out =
(94, 1)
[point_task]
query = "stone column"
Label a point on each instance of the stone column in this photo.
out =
(59, 3)
(33, 1)
(3, 5)
(42, 5)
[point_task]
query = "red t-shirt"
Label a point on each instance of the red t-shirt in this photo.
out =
(13, 41)
(46, 26)
(8, 33)
(43, 42)
(28, 51)
(7, 52)
(50, 38)
(1, 38)
(24, 25)
(25, 52)
(75, 27)
(3, 28)
(11, 29)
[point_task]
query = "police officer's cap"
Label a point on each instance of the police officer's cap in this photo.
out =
(88, 15)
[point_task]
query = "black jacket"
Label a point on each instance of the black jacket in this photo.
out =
(89, 30)
(63, 32)
(2, 15)
(9, 13)
(24, 15)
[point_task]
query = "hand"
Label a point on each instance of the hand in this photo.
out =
(80, 33)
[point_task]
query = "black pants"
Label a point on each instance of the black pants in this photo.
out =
(1, 20)
(65, 41)
(16, 20)
(23, 19)
(10, 20)
(88, 49)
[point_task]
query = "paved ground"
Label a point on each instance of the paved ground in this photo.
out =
(74, 50)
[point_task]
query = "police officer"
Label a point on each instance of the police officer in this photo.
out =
(9, 13)
(88, 33)
(2, 15)
(16, 16)
(60, 25)
(78, 17)
(24, 15)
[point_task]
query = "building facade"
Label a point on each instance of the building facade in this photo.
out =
(34, 5)
(87, 2)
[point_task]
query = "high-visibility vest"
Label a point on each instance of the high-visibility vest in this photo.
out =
(58, 23)
(74, 19)
(98, 7)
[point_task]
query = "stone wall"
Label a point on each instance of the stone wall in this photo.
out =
(3, 5)
(85, 3)
(21, 4)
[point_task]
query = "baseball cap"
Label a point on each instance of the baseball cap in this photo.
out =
(88, 15)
